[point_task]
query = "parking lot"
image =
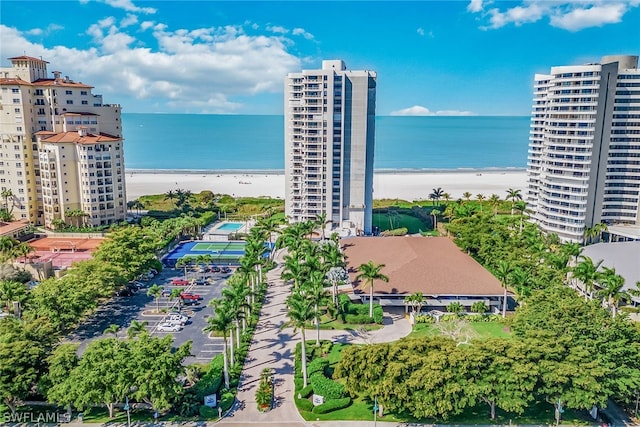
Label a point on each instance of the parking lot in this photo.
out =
(122, 310)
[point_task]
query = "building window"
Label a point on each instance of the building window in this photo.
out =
(83, 92)
(69, 101)
(16, 100)
(85, 102)
(68, 92)
(17, 110)
(15, 90)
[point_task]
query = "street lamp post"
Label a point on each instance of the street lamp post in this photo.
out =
(126, 408)
(375, 411)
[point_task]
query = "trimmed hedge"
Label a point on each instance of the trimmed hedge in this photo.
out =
(323, 386)
(317, 365)
(332, 405)
(226, 400)
(304, 404)
(396, 232)
(307, 391)
(378, 315)
(208, 413)
(357, 319)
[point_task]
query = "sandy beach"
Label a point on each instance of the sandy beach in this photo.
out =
(386, 185)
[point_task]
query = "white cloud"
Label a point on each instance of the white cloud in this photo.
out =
(129, 6)
(44, 31)
(302, 32)
(475, 6)
(420, 31)
(146, 25)
(128, 20)
(572, 15)
(277, 29)
(595, 16)
(198, 70)
(419, 110)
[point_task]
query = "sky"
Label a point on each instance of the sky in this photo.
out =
(457, 57)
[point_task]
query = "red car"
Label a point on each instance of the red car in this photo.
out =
(189, 295)
(180, 282)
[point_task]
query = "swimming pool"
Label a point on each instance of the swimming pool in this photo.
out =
(230, 226)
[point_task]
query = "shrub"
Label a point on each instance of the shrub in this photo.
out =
(378, 315)
(207, 413)
(360, 309)
(332, 405)
(317, 365)
(306, 391)
(298, 382)
(357, 319)
(424, 318)
(323, 386)
(396, 232)
(226, 400)
(304, 405)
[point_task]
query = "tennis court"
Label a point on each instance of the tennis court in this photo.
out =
(219, 253)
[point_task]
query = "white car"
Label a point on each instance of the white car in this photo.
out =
(169, 327)
(178, 319)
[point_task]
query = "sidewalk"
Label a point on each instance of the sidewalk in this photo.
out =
(274, 347)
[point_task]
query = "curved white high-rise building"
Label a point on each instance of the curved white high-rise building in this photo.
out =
(329, 137)
(584, 149)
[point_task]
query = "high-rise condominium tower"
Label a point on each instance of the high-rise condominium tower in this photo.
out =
(584, 149)
(329, 133)
(61, 149)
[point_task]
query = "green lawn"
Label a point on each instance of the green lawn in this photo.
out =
(327, 323)
(390, 222)
(483, 329)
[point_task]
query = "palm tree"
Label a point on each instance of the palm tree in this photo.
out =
(434, 215)
(155, 291)
(23, 249)
(321, 221)
(6, 195)
(494, 201)
(455, 308)
(466, 195)
(184, 263)
(503, 273)
(480, 198)
(221, 322)
(300, 313)
(136, 328)
(315, 291)
(176, 293)
(587, 272)
(112, 329)
(520, 279)
(416, 301)
(436, 195)
(612, 284)
(11, 291)
(513, 195)
(479, 307)
(170, 195)
(370, 272)
(7, 248)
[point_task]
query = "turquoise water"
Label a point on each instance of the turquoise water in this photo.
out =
(230, 226)
(221, 142)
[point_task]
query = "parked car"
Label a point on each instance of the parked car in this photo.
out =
(165, 293)
(180, 282)
(201, 281)
(215, 269)
(176, 318)
(126, 292)
(169, 327)
(226, 270)
(189, 295)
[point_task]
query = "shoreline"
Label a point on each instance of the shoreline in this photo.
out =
(412, 184)
(281, 171)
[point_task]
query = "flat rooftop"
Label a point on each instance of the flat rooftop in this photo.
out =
(631, 231)
(623, 256)
(434, 266)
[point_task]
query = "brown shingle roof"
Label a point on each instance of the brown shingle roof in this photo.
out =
(14, 81)
(434, 266)
(75, 137)
(60, 82)
(28, 58)
(8, 228)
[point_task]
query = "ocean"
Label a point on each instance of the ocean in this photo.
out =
(243, 142)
